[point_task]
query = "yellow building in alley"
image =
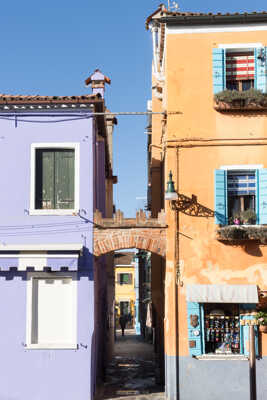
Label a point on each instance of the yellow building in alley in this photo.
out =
(125, 294)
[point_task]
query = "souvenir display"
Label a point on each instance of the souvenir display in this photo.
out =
(222, 334)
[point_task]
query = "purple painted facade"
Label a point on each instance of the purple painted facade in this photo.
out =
(37, 374)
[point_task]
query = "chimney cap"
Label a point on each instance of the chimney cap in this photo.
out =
(97, 76)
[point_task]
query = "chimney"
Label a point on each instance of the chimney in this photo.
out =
(97, 80)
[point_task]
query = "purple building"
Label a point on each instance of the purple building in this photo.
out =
(56, 170)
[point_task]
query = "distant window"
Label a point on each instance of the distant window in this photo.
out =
(125, 278)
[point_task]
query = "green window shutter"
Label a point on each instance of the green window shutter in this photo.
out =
(260, 69)
(220, 183)
(44, 179)
(261, 193)
(64, 179)
(218, 67)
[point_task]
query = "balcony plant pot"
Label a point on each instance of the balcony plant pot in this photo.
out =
(263, 328)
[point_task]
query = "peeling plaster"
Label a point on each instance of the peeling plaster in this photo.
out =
(255, 273)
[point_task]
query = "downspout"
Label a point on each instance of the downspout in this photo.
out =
(154, 31)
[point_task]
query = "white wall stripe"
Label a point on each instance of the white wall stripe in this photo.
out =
(176, 30)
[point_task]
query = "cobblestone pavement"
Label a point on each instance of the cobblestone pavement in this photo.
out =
(131, 373)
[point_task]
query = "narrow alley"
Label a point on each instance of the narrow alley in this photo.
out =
(131, 372)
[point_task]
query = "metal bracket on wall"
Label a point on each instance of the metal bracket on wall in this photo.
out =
(179, 265)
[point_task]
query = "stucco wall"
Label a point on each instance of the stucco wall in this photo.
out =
(231, 380)
(204, 259)
(43, 374)
(188, 90)
(15, 179)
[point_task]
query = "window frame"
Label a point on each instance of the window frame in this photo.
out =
(120, 281)
(239, 81)
(199, 351)
(53, 146)
(226, 169)
(29, 308)
(219, 65)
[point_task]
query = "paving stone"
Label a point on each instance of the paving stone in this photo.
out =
(131, 373)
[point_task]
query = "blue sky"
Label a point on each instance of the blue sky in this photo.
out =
(50, 47)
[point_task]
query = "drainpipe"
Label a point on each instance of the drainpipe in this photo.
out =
(154, 31)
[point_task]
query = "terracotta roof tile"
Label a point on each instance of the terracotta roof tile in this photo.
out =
(123, 258)
(162, 12)
(25, 99)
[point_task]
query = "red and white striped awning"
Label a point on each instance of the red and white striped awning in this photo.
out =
(240, 65)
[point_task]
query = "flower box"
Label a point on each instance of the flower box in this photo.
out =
(242, 232)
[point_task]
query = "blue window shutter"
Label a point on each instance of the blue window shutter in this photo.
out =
(244, 333)
(218, 70)
(261, 199)
(194, 333)
(260, 69)
(221, 196)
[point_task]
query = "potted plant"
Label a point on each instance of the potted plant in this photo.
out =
(262, 320)
(248, 217)
(237, 219)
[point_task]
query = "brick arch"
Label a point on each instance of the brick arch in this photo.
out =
(119, 233)
(153, 240)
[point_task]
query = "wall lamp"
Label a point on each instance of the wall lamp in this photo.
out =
(170, 193)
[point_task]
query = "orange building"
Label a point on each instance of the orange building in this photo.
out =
(209, 79)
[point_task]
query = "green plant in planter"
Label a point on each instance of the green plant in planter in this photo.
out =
(248, 216)
(251, 96)
(262, 317)
(232, 233)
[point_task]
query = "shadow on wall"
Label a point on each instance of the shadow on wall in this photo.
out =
(253, 249)
(85, 269)
(190, 206)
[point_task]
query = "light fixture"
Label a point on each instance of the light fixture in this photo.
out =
(170, 193)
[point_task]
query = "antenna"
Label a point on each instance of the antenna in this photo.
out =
(172, 5)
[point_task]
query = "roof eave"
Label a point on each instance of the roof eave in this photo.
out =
(212, 19)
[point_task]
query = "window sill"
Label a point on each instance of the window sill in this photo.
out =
(49, 346)
(222, 357)
(53, 212)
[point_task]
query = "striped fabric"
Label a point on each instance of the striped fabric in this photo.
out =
(240, 184)
(240, 65)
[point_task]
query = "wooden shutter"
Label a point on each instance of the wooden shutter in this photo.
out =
(64, 179)
(221, 197)
(260, 69)
(240, 65)
(194, 332)
(218, 66)
(44, 181)
(261, 200)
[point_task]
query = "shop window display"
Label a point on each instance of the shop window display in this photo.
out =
(222, 328)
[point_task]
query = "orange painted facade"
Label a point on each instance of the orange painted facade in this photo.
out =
(194, 142)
